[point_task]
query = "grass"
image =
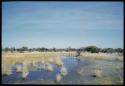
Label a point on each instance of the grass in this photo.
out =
(18, 68)
(50, 57)
(49, 67)
(58, 77)
(63, 71)
(99, 64)
(108, 81)
(33, 58)
(6, 70)
(102, 56)
(97, 73)
(25, 72)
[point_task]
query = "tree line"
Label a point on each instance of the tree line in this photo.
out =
(92, 49)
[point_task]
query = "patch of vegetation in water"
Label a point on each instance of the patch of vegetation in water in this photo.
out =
(107, 80)
(111, 73)
(41, 81)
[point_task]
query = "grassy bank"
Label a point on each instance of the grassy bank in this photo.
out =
(101, 56)
(9, 59)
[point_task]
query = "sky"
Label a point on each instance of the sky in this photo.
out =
(62, 24)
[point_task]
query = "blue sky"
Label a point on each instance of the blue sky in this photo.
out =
(62, 24)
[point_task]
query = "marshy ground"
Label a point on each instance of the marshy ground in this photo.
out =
(85, 69)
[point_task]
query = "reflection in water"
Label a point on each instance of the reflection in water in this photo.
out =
(58, 77)
(25, 72)
(48, 67)
(63, 71)
(39, 71)
(78, 72)
(19, 68)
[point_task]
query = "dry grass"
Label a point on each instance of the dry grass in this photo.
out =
(107, 81)
(101, 56)
(97, 73)
(12, 58)
(25, 72)
(63, 71)
(6, 70)
(27, 58)
(9, 59)
(58, 77)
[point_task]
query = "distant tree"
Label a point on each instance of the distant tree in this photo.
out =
(49, 49)
(54, 49)
(104, 50)
(33, 49)
(108, 50)
(2, 49)
(40, 49)
(20, 50)
(119, 50)
(7, 49)
(82, 49)
(68, 49)
(43, 49)
(100, 49)
(72, 49)
(61, 49)
(30, 50)
(92, 49)
(24, 48)
(46, 49)
(12, 49)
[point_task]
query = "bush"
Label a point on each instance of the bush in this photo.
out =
(119, 50)
(92, 49)
(108, 50)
